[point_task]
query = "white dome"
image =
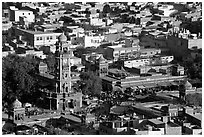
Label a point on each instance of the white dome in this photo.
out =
(17, 104)
(62, 38)
(188, 85)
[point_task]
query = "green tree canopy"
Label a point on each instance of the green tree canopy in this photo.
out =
(90, 83)
(50, 61)
(107, 9)
(194, 99)
(17, 77)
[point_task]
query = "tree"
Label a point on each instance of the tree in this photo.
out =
(79, 52)
(67, 20)
(125, 18)
(193, 67)
(45, 49)
(87, 11)
(4, 39)
(97, 11)
(90, 83)
(50, 60)
(18, 77)
(73, 68)
(194, 99)
(92, 4)
(107, 9)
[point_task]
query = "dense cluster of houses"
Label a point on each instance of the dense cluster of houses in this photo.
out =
(132, 50)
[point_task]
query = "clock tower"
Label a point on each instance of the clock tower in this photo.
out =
(67, 98)
(63, 68)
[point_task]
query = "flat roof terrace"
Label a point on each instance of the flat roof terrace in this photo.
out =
(35, 32)
(120, 48)
(153, 78)
(156, 121)
(163, 79)
(147, 111)
(170, 124)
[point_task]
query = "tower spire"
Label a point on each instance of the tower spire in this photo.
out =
(63, 67)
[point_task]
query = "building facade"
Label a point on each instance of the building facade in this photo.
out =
(37, 38)
(66, 98)
(92, 41)
(120, 52)
(15, 14)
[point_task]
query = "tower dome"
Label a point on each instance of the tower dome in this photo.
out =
(62, 38)
(17, 104)
(101, 59)
(188, 85)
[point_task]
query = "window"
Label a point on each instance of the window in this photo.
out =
(40, 38)
(65, 50)
(6, 14)
(47, 38)
(28, 13)
(19, 117)
(37, 38)
(23, 13)
(116, 54)
(16, 117)
(50, 37)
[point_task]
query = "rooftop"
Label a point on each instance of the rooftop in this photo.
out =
(116, 71)
(148, 111)
(171, 124)
(39, 118)
(148, 49)
(22, 127)
(49, 76)
(50, 25)
(72, 118)
(197, 116)
(138, 79)
(156, 121)
(122, 48)
(35, 32)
